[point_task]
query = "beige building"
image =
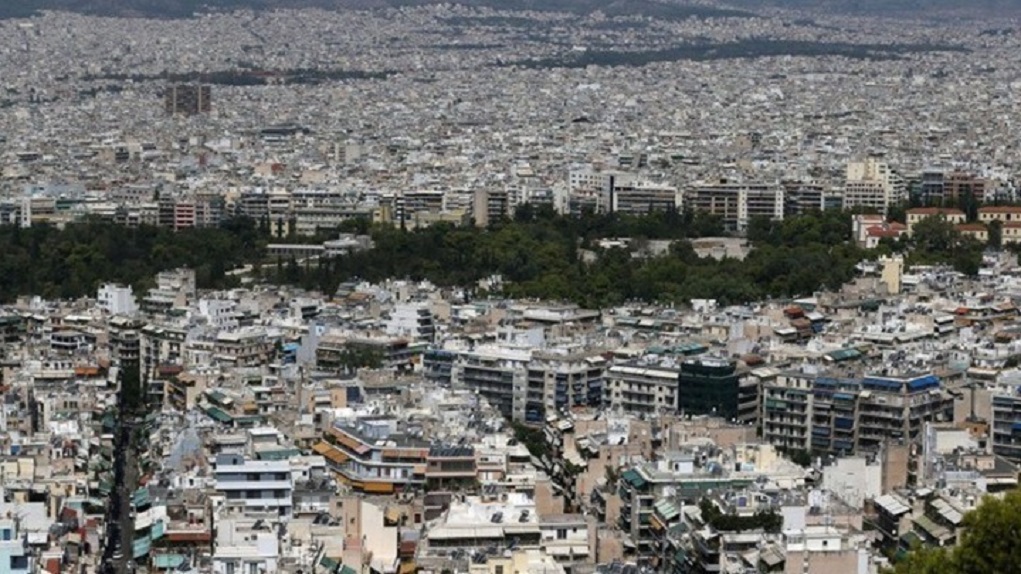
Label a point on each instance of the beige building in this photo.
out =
(918, 214)
(872, 184)
(1002, 213)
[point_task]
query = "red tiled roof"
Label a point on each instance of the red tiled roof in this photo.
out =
(880, 231)
(935, 211)
(970, 227)
(1000, 209)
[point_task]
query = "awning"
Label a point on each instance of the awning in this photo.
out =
(634, 478)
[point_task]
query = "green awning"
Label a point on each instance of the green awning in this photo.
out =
(140, 497)
(667, 510)
(634, 479)
(329, 564)
(168, 561)
(219, 415)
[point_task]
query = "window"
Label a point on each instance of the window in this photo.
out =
(561, 534)
(6, 534)
(231, 568)
(499, 569)
(253, 568)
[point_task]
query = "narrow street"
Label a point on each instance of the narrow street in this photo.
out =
(118, 546)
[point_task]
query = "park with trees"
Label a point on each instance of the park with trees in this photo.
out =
(537, 254)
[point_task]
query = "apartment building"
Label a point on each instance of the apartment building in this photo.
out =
(375, 455)
(413, 320)
(634, 197)
(498, 374)
(1006, 426)
(872, 184)
(489, 205)
(558, 383)
(246, 545)
(808, 196)
(713, 386)
(245, 347)
(174, 289)
(15, 554)
(640, 387)
(160, 346)
(117, 299)
(736, 203)
(255, 485)
(125, 340)
(343, 353)
(845, 415)
(941, 187)
(187, 99)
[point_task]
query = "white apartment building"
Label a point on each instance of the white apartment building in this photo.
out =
(413, 320)
(255, 485)
(117, 299)
(246, 546)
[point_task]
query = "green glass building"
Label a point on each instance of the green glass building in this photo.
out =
(709, 386)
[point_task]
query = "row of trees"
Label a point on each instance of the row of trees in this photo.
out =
(538, 254)
(74, 261)
(542, 255)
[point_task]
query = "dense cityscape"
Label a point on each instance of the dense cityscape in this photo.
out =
(584, 287)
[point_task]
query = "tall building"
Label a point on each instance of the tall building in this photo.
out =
(490, 205)
(710, 386)
(629, 195)
(808, 196)
(1006, 427)
(117, 299)
(736, 203)
(188, 99)
(872, 184)
(638, 388)
(830, 414)
(526, 385)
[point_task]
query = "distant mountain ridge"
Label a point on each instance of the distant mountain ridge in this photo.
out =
(649, 8)
(187, 8)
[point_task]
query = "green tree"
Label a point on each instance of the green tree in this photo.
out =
(995, 229)
(930, 561)
(991, 542)
(935, 240)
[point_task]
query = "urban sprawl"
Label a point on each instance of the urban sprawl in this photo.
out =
(237, 417)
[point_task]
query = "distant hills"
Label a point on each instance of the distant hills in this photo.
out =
(914, 8)
(186, 8)
(648, 8)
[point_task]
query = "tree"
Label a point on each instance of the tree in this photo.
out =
(931, 561)
(934, 235)
(935, 240)
(991, 542)
(995, 234)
